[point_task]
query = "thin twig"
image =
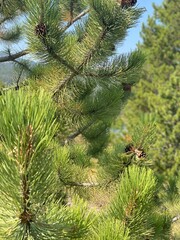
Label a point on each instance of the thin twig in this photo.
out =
(176, 218)
(89, 184)
(78, 184)
(78, 132)
(23, 65)
(85, 184)
(71, 11)
(82, 14)
(18, 80)
(12, 57)
(62, 84)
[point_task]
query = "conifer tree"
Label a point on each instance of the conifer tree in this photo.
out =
(54, 129)
(157, 93)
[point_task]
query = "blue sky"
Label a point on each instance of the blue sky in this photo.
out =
(134, 34)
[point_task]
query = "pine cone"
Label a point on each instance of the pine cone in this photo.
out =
(41, 30)
(127, 3)
(129, 148)
(138, 152)
(126, 87)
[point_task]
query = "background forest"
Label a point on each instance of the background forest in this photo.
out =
(89, 137)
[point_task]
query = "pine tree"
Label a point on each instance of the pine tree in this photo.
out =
(157, 93)
(54, 131)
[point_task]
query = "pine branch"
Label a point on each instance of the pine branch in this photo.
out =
(26, 216)
(82, 14)
(90, 184)
(18, 80)
(77, 184)
(62, 84)
(71, 10)
(53, 54)
(23, 65)
(88, 56)
(12, 57)
(78, 132)
(48, 45)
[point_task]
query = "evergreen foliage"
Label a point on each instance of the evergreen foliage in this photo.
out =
(92, 81)
(132, 213)
(54, 131)
(157, 93)
(172, 203)
(29, 174)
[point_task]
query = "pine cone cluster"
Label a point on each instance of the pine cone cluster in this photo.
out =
(127, 3)
(41, 30)
(126, 87)
(138, 152)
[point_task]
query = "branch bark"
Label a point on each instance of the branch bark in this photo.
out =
(18, 80)
(71, 11)
(78, 132)
(12, 57)
(77, 184)
(82, 14)
(176, 218)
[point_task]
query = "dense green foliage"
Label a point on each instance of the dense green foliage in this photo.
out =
(59, 178)
(158, 93)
